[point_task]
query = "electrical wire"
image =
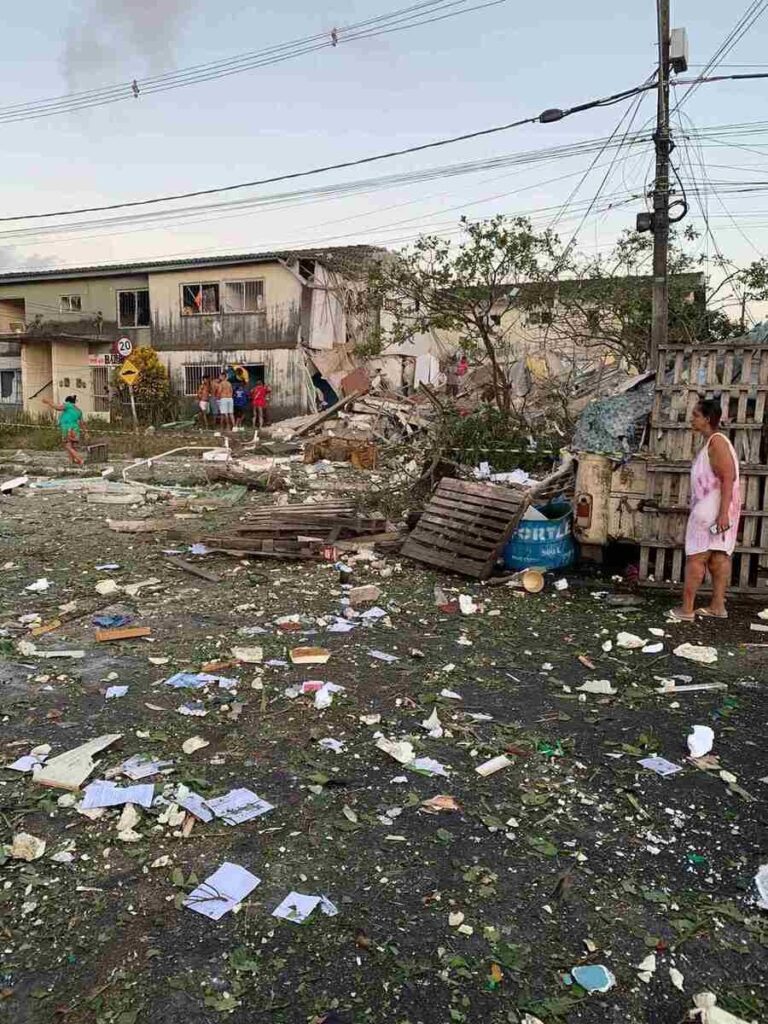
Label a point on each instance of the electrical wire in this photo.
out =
(753, 12)
(414, 16)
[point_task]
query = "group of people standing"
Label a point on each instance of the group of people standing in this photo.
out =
(228, 402)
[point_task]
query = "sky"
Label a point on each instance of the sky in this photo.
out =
(482, 68)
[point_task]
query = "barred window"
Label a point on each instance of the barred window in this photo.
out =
(100, 387)
(243, 296)
(199, 299)
(193, 376)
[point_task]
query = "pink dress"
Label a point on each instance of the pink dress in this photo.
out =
(705, 506)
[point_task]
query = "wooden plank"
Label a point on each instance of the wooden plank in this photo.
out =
(488, 494)
(327, 413)
(193, 570)
(105, 636)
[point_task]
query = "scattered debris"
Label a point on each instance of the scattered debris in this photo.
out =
(27, 847)
(701, 740)
(70, 769)
(222, 891)
(697, 652)
(593, 977)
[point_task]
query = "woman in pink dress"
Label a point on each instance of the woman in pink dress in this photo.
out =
(713, 523)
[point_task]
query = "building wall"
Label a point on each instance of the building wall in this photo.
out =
(36, 374)
(284, 372)
(276, 327)
(98, 295)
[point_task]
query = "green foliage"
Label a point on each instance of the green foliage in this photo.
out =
(490, 435)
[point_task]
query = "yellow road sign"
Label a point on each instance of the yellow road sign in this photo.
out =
(129, 373)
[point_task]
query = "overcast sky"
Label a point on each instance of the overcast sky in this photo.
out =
(481, 69)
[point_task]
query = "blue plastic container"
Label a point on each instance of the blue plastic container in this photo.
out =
(540, 545)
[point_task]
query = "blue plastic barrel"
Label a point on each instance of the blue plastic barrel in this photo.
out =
(543, 545)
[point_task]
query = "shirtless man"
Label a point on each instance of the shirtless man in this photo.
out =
(226, 403)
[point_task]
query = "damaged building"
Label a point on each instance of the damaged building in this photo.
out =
(284, 316)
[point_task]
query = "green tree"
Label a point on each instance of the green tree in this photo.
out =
(152, 390)
(467, 289)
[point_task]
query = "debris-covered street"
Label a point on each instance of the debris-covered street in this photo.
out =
(432, 891)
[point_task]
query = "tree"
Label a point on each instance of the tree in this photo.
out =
(468, 289)
(152, 390)
(605, 304)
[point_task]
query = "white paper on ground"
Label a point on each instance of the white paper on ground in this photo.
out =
(222, 891)
(629, 641)
(761, 881)
(115, 691)
(138, 767)
(433, 725)
(701, 740)
(374, 613)
(340, 626)
(297, 907)
(660, 765)
(238, 805)
(27, 763)
(602, 686)
(427, 765)
(494, 765)
(195, 804)
(383, 656)
(400, 750)
(451, 695)
(107, 794)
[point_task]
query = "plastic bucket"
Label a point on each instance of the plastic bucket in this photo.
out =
(543, 545)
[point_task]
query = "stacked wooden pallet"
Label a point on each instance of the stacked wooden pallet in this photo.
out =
(735, 372)
(298, 531)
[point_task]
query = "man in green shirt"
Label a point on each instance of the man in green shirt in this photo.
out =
(71, 426)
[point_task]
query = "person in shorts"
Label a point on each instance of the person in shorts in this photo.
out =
(71, 426)
(260, 400)
(241, 396)
(204, 400)
(226, 402)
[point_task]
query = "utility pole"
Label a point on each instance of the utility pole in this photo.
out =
(662, 141)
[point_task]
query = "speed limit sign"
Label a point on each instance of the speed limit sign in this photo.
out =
(124, 347)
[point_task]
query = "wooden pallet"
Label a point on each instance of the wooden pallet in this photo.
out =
(735, 372)
(465, 526)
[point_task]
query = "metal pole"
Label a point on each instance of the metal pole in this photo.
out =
(660, 309)
(133, 409)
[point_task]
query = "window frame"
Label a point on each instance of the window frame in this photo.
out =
(205, 368)
(65, 303)
(200, 284)
(134, 292)
(244, 282)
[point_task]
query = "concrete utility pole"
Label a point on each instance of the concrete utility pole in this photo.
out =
(661, 138)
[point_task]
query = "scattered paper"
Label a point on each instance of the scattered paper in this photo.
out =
(324, 695)
(39, 585)
(194, 743)
(106, 588)
(427, 766)
(451, 695)
(701, 740)
(400, 750)
(331, 744)
(238, 805)
(222, 891)
(193, 803)
(107, 794)
(602, 686)
(677, 979)
(138, 767)
(647, 968)
(660, 765)
(27, 763)
(115, 691)
(698, 653)
(297, 907)
(561, 584)
(494, 765)
(249, 655)
(710, 1013)
(656, 648)
(383, 656)
(466, 605)
(440, 804)
(761, 881)
(433, 725)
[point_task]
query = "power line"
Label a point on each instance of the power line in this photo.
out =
(423, 13)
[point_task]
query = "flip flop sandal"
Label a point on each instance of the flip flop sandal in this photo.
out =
(681, 616)
(705, 613)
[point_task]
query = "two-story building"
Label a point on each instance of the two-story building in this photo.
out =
(273, 313)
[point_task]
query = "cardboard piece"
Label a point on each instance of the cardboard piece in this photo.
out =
(70, 769)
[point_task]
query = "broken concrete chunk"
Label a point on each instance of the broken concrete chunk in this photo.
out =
(364, 595)
(70, 769)
(27, 847)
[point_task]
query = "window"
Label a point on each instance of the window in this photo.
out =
(70, 304)
(133, 308)
(540, 316)
(198, 299)
(243, 296)
(193, 376)
(8, 385)
(100, 386)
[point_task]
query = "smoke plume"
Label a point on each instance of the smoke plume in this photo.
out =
(111, 39)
